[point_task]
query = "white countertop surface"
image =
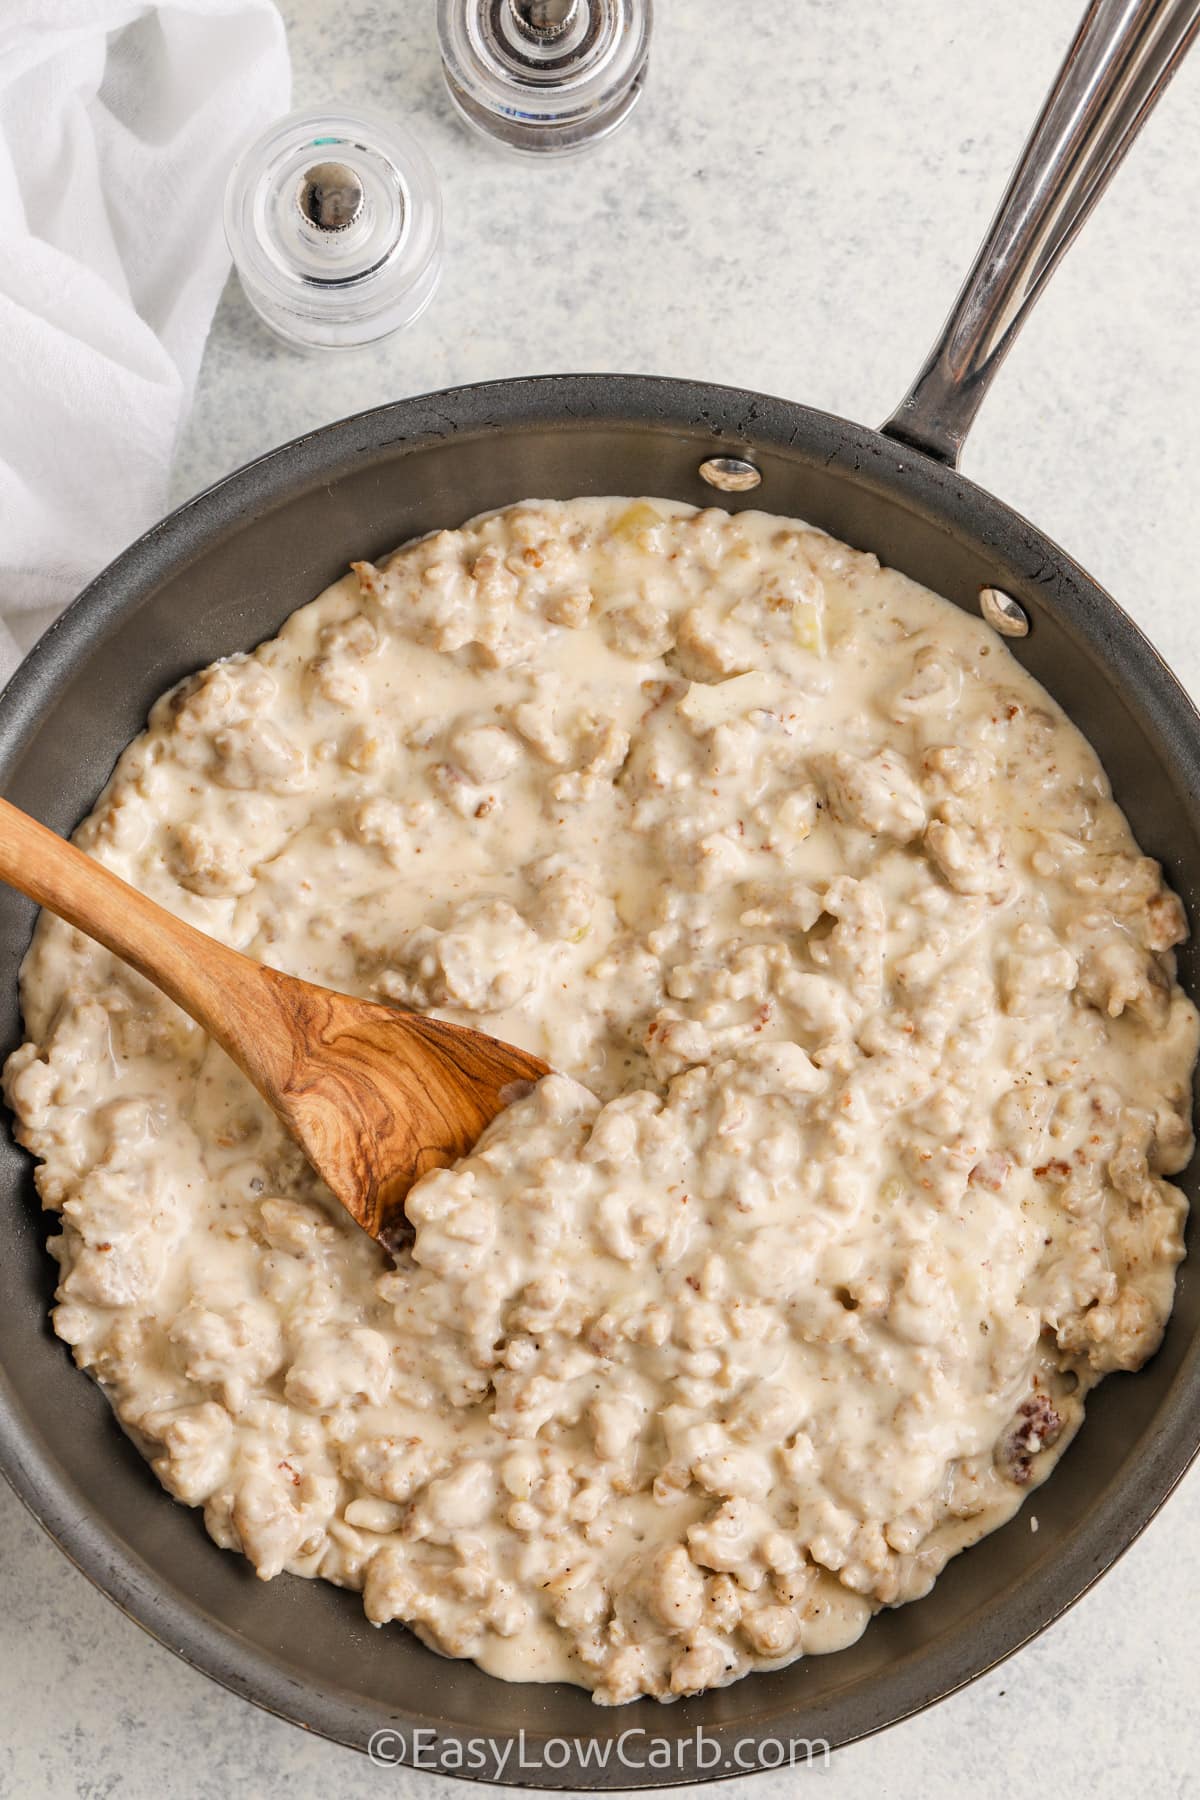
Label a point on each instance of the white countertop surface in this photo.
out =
(790, 210)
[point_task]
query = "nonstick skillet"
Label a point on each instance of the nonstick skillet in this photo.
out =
(224, 571)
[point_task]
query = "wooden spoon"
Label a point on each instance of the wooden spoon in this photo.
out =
(374, 1096)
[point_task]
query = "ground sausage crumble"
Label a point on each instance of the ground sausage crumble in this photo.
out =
(853, 1179)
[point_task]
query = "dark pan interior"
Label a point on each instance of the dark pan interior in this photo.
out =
(223, 573)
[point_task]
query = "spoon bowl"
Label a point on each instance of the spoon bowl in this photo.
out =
(374, 1096)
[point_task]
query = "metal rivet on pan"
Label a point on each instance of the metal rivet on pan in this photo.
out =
(1003, 613)
(732, 474)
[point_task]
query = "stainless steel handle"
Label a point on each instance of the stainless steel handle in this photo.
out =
(1123, 56)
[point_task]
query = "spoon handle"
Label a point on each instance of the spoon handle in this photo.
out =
(198, 973)
(374, 1096)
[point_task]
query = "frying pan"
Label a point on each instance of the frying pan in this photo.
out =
(224, 571)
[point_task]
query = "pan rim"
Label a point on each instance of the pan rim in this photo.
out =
(735, 419)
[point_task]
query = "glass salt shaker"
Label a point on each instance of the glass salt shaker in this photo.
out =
(546, 77)
(334, 221)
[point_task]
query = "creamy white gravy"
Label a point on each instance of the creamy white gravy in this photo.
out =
(872, 1063)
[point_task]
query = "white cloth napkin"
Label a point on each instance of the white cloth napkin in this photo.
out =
(119, 121)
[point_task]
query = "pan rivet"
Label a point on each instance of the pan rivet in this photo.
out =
(1003, 613)
(732, 474)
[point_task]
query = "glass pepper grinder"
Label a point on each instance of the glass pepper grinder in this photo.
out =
(546, 77)
(334, 221)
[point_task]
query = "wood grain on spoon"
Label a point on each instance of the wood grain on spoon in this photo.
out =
(375, 1097)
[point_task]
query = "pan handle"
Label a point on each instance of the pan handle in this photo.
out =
(1123, 56)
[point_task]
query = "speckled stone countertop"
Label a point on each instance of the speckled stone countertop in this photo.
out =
(790, 210)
